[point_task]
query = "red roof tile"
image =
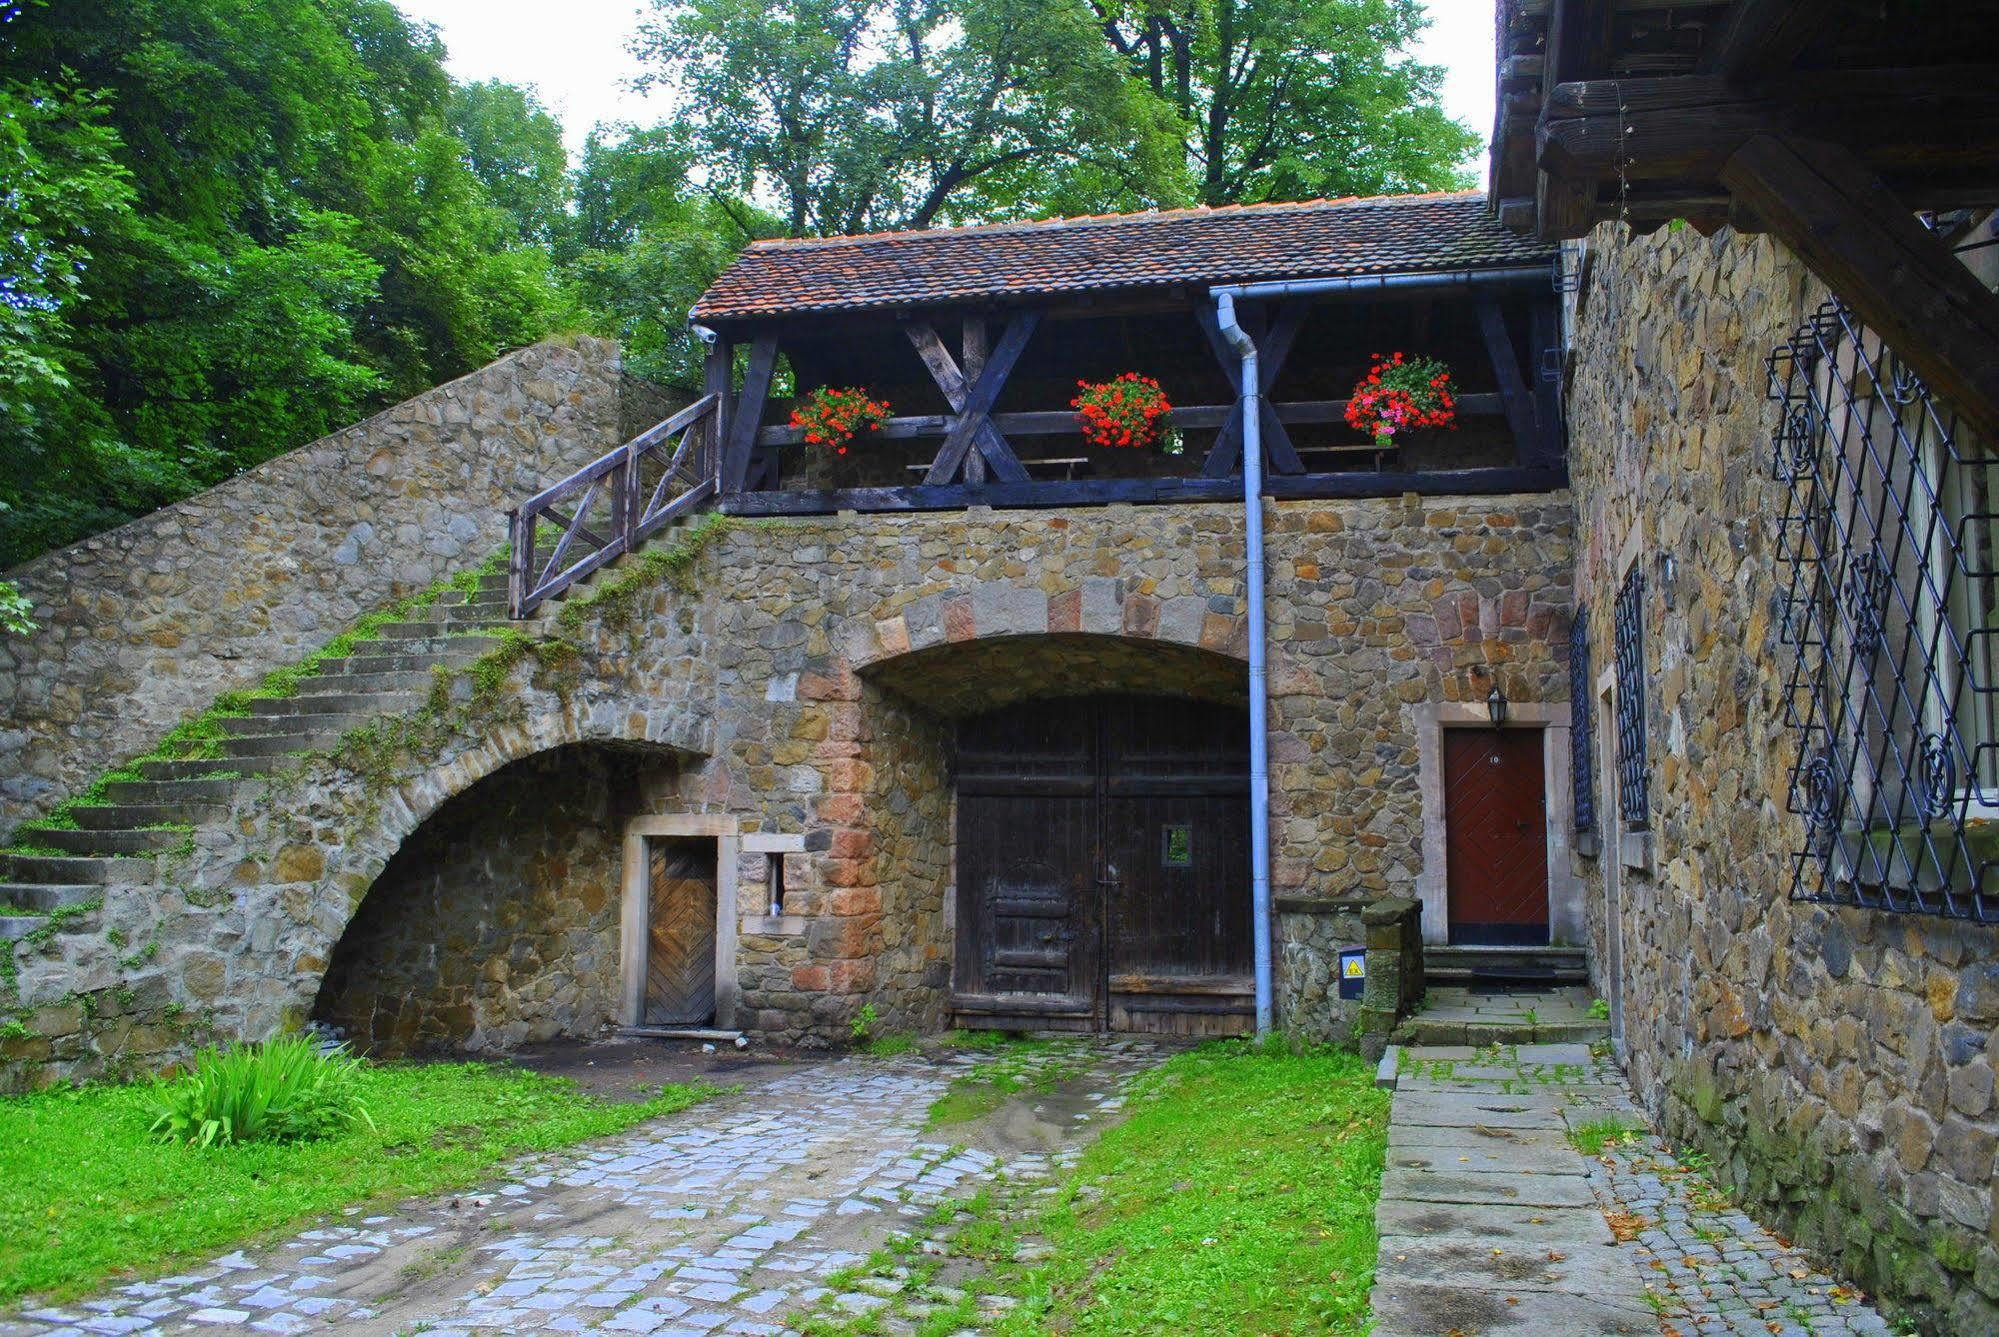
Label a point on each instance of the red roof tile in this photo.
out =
(1320, 238)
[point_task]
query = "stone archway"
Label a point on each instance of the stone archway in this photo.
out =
(497, 920)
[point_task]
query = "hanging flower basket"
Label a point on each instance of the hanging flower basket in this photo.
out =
(1400, 394)
(832, 416)
(1127, 412)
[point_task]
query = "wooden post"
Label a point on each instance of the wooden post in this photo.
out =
(1838, 217)
(1512, 387)
(718, 378)
(748, 415)
(973, 421)
(972, 355)
(1545, 343)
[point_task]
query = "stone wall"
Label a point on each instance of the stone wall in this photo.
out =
(800, 679)
(1834, 1062)
(497, 922)
(844, 646)
(147, 624)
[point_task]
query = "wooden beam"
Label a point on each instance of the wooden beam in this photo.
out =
(1062, 422)
(1512, 387)
(748, 413)
(1150, 491)
(973, 348)
(952, 383)
(1759, 38)
(978, 403)
(1838, 217)
(1273, 346)
(1682, 128)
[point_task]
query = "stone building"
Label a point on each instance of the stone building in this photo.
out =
(954, 726)
(1782, 389)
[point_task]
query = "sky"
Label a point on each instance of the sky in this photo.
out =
(575, 54)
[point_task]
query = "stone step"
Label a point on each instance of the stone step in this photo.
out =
(137, 816)
(1421, 1030)
(197, 790)
(297, 727)
(408, 631)
(13, 928)
(286, 749)
(1532, 965)
(41, 897)
(85, 841)
(413, 680)
(69, 870)
(332, 703)
(194, 767)
(408, 655)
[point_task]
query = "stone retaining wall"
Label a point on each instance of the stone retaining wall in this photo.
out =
(147, 624)
(1835, 1063)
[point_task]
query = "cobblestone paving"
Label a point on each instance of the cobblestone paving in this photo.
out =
(1701, 1265)
(726, 1218)
(1717, 1270)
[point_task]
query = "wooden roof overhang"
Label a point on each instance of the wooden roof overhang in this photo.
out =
(1828, 123)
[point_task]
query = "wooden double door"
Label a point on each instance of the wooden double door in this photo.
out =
(1103, 867)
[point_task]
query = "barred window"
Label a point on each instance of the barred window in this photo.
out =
(1582, 738)
(1890, 614)
(1634, 798)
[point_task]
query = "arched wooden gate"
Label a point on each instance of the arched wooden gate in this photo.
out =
(1103, 867)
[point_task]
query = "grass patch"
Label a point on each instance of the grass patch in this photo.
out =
(893, 1045)
(86, 1192)
(1037, 1064)
(1592, 1137)
(1238, 1197)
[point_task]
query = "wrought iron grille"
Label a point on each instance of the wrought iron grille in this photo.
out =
(1634, 797)
(1890, 611)
(1582, 739)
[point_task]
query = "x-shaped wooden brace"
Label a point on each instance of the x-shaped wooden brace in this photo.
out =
(973, 403)
(1273, 346)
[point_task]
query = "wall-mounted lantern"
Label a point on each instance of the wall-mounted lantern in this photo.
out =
(1495, 705)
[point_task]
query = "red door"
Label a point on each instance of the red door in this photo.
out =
(1495, 837)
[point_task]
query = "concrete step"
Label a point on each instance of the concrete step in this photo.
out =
(198, 790)
(338, 684)
(1525, 965)
(41, 897)
(333, 703)
(1421, 1030)
(70, 870)
(85, 841)
(196, 767)
(137, 816)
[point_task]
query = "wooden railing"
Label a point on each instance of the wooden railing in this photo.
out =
(611, 505)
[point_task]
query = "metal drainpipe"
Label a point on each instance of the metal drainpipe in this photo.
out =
(1251, 393)
(1259, 692)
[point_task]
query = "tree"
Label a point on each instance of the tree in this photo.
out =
(860, 115)
(1294, 99)
(647, 240)
(514, 147)
(298, 235)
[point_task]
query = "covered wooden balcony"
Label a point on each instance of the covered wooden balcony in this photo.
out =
(977, 338)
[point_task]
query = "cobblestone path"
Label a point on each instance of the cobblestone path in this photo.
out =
(1492, 1221)
(724, 1218)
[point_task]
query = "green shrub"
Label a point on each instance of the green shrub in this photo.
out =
(285, 1090)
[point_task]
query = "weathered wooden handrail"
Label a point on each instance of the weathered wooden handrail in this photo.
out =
(611, 505)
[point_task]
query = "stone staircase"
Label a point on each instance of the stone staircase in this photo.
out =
(120, 839)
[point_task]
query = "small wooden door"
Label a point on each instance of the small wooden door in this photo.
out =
(1496, 839)
(680, 952)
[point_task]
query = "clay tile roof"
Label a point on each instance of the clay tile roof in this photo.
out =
(1319, 238)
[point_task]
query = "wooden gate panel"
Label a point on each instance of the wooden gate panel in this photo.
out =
(1496, 839)
(680, 952)
(1027, 938)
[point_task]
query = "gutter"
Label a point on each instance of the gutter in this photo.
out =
(1251, 394)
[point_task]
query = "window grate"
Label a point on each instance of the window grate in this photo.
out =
(1634, 798)
(1890, 613)
(1582, 737)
